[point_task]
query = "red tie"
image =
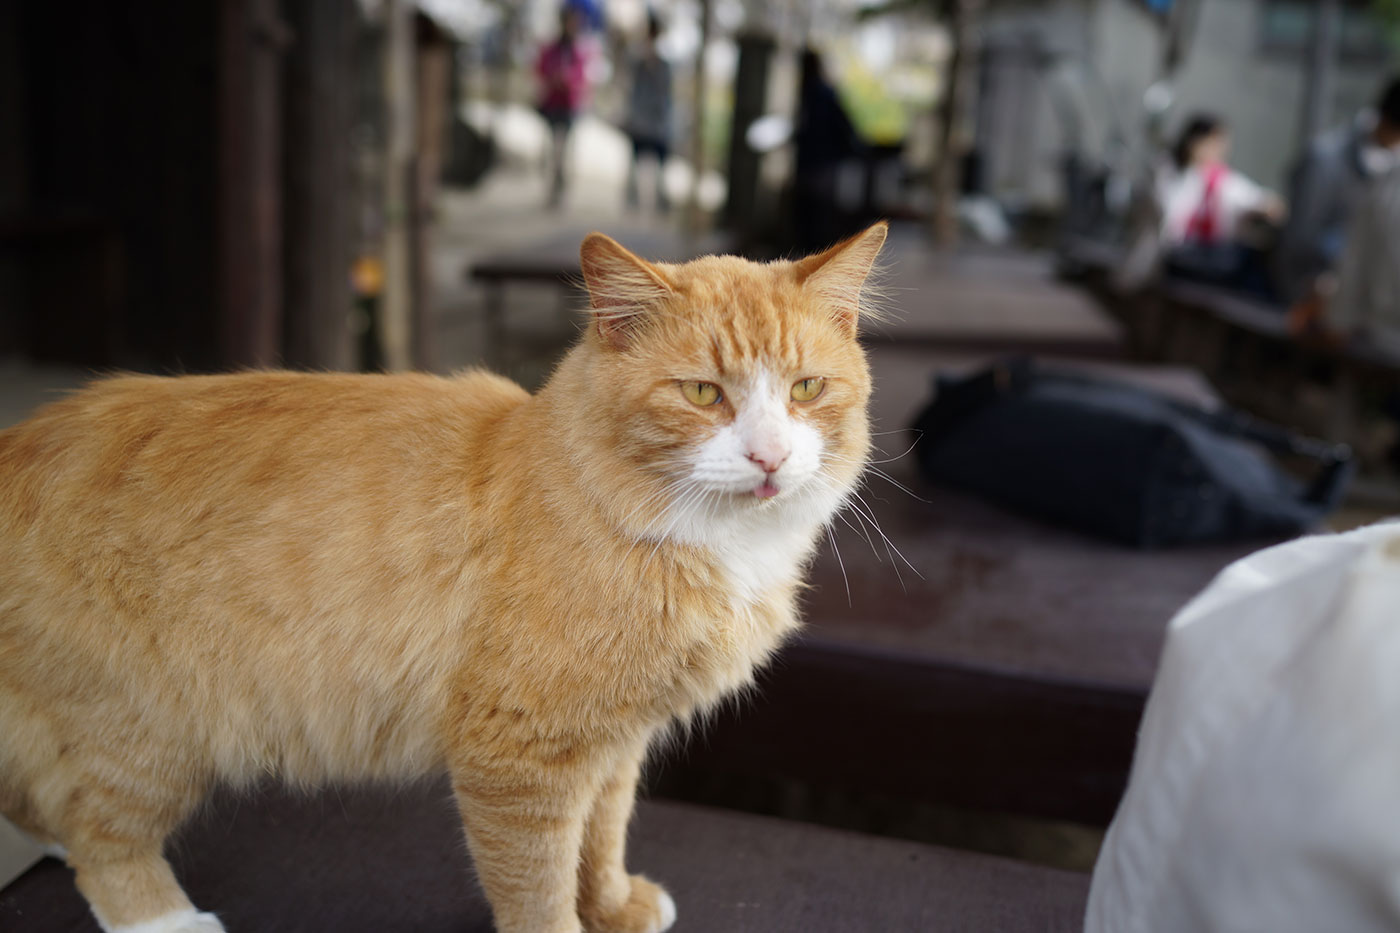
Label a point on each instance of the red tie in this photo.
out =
(1202, 226)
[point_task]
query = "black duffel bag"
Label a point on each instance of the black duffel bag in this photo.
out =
(1120, 461)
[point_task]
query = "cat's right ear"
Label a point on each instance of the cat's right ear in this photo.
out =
(622, 288)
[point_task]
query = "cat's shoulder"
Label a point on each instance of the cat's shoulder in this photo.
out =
(488, 388)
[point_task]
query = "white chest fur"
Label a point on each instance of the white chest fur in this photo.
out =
(763, 558)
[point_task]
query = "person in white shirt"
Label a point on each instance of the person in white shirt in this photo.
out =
(1204, 203)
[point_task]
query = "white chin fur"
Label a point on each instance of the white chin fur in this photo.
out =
(179, 921)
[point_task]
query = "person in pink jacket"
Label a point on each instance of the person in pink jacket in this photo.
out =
(562, 70)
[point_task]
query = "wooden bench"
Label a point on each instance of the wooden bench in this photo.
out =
(969, 301)
(1248, 347)
(1011, 676)
(373, 862)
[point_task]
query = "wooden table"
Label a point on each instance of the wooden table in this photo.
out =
(984, 301)
(375, 862)
(1010, 676)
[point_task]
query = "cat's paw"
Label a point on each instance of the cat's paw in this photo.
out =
(649, 909)
(181, 921)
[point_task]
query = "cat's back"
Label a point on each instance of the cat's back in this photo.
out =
(255, 427)
(146, 464)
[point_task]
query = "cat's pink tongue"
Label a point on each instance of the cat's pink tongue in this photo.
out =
(766, 491)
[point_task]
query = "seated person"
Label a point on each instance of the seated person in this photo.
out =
(1204, 204)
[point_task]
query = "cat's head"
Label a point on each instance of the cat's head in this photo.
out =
(733, 385)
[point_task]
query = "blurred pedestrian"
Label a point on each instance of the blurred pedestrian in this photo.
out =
(1204, 206)
(562, 69)
(1367, 299)
(649, 114)
(1330, 181)
(1361, 302)
(825, 138)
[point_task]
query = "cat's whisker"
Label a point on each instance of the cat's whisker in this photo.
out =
(691, 495)
(840, 563)
(650, 499)
(900, 456)
(674, 489)
(881, 474)
(870, 468)
(860, 530)
(866, 518)
(869, 513)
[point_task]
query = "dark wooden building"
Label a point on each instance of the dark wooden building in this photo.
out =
(175, 182)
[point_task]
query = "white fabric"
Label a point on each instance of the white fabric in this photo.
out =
(1265, 792)
(1180, 192)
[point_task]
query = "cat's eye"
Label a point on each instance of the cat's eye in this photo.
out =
(804, 390)
(703, 394)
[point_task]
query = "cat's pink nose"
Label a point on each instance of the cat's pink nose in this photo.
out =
(768, 460)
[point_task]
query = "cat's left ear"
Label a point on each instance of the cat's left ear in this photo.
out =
(837, 276)
(622, 288)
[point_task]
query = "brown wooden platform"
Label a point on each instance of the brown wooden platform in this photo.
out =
(384, 862)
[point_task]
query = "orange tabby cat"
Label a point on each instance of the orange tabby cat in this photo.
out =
(331, 577)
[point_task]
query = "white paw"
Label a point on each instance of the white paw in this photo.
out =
(179, 921)
(54, 850)
(668, 913)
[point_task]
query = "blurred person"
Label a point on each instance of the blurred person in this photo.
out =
(1361, 303)
(649, 113)
(1204, 204)
(1366, 303)
(824, 137)
(1330, 180)
(562, 69)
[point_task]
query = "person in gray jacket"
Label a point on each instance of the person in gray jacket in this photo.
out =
(649, 114)
(1329, 182)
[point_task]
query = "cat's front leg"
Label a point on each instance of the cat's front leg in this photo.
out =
(524, 806)
(611, 900)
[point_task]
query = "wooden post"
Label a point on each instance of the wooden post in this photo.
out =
(320, 84)
(750, 102)
(252, 38)
(947, 174)
(400, 79)
(433, 71)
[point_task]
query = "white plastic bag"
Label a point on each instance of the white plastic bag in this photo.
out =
(1265, 792)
